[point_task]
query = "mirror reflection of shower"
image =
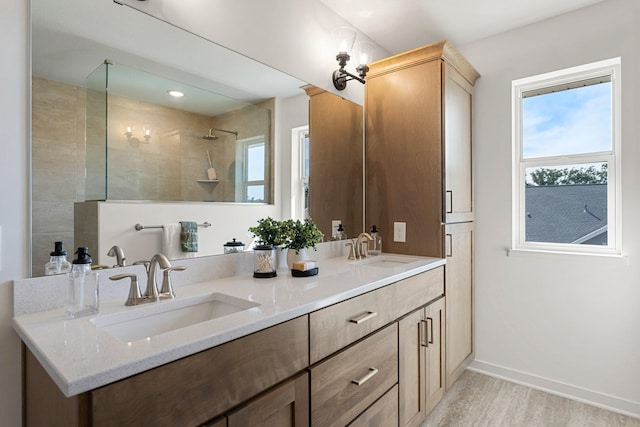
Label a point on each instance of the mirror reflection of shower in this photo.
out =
(212, 137)
(171, 166)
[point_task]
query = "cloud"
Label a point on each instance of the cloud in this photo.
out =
(568, 122)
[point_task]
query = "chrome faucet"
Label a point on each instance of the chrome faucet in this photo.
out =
(359, 246)
(362, 245)
(117, 252)
(152, 285)
(151, 294)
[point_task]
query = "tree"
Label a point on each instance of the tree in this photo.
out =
(569, 176)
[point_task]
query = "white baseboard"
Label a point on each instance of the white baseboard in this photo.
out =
(590, 397)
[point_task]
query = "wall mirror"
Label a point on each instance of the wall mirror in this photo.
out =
(70, 39)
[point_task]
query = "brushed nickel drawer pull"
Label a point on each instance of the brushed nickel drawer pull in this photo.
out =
(429, 330)
(449, 246)
(370, 374)
(449, 207)
(363, 317)
(424, 341)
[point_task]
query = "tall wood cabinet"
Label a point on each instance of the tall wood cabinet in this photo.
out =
(418, 154)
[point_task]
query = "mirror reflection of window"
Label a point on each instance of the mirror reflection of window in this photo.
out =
(300, 172)
(250, 170)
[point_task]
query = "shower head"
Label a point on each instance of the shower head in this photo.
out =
(210, 136)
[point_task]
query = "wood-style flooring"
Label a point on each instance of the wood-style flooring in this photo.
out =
(479, 400)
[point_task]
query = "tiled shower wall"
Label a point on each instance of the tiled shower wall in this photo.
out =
(58, 116)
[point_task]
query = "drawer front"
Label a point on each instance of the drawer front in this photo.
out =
(418, 290)
(339, 325)
(345, 385)
(197, 388)
(383, 413)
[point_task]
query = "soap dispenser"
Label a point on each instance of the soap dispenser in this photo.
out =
(375, 245)
(81, 296)
(58, 263)
(340, 233)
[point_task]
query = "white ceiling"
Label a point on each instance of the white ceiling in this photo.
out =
(73, 37)
(400, 25)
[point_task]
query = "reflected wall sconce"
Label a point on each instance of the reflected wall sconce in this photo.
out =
(146, 132)
(345, 38)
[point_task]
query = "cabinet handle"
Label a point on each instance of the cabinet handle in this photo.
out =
(449, 202)
(363, 317)
(424, 340)
(370, 374)
(449, 246)
(429, 330)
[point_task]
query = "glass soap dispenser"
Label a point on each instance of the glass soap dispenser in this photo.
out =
(58, 263)
(375, 245)
(81, 296)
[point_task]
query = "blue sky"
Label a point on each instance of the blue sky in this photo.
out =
(567, 122)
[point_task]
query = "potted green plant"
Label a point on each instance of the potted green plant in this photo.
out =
(299, 236)
(269, 232)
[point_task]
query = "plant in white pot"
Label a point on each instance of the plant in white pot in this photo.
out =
(299, 236)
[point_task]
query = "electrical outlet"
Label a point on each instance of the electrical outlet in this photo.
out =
(334, 227)
(399, 231)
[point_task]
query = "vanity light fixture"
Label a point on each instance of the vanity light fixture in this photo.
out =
(345, 38)
(175, 93)
(146, 132)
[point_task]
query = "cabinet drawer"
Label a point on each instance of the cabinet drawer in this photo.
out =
(383, 413)
(346, 384)
(418, 290)
(339, 325)
(197, 388)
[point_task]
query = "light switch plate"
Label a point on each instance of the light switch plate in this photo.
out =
(399, 231)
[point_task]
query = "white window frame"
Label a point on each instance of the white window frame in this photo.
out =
(610, 67)
(242, 172)
(298, 179)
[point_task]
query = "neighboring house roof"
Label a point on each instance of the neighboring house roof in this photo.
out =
(566, 213)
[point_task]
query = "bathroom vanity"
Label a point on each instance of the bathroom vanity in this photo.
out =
(345, 346)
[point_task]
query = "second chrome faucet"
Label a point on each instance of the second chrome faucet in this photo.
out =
(151, 293)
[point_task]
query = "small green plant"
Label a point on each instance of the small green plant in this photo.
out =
(292, 234)
(301, 234)
(269, 232)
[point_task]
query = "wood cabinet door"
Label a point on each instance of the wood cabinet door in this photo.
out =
(285, 406)
(458, 203)
(435, 378)
(412, 369)
(459, 299)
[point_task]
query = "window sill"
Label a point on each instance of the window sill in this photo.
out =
(541, 252)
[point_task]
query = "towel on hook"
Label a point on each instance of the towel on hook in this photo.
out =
(171, 246)
(189, 236)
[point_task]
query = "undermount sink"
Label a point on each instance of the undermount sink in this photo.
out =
(387, 263)
(158, 318)
(386, 260)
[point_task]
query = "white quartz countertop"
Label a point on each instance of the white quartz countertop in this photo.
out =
(80, 356)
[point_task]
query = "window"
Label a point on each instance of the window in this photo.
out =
(300, 172)
(566, 168)
(250, 170)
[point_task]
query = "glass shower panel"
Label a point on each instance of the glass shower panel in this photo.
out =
(96, 134)
(156, 146)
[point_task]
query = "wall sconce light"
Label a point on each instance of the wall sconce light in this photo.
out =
(345, 38)
(146, 132)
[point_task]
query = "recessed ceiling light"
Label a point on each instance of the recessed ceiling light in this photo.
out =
(175, 93)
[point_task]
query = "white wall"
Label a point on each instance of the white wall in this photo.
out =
(567, 323)
(14, 213)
